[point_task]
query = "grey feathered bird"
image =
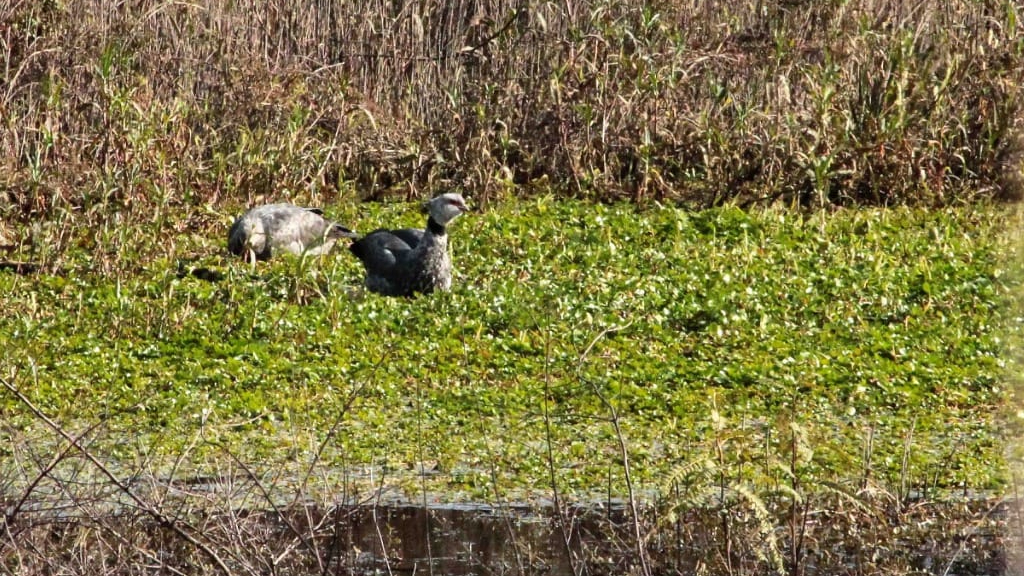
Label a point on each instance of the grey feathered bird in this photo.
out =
(268, 230)
(403, 262)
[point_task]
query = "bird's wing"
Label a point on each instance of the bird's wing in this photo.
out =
(297, 228)
(381, 249)
(322, 227)
(410, 236)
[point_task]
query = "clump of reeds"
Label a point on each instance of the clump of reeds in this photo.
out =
(139, 105)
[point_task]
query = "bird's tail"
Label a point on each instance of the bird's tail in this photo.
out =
(339, 231)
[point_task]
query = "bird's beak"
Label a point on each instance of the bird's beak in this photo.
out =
(339, 231)
(424, 207)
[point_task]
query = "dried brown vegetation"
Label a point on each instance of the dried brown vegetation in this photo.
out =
(162, 113)
(148, 103)
(247, 524)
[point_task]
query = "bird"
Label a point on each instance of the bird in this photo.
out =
(264, 231)
(409, 261)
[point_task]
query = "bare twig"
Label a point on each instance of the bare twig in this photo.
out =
(964, 536)
(13, 512)
(506, 517)
(548, 440)
(346, 406)
(641, 550)
(423, 476)
(159, 517)
(376, 525)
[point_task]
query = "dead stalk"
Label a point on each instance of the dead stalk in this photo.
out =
(176, 526)
(638, 542)
(564, 523)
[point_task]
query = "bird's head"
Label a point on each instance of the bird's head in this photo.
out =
(446, 207)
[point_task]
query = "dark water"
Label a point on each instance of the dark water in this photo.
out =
(463, 539)
(974, 537)
(525, 539)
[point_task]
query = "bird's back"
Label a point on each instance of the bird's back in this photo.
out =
(287, 227)
(389, 257)
(380, 250)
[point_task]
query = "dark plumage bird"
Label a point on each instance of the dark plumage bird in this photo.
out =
(268, 230)
(403, 262)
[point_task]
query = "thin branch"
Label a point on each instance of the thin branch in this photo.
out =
(566, 536)
(349, 401)
(160, 518)
(965, 533)
(423, 476)
(623, 449)
(9, 517)
(376, 523)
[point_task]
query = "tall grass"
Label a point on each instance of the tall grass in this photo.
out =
(136, 106)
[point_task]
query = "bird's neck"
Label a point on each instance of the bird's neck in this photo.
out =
(434, 228)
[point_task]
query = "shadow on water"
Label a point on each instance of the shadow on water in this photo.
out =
(965, 538)
(464, 539)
